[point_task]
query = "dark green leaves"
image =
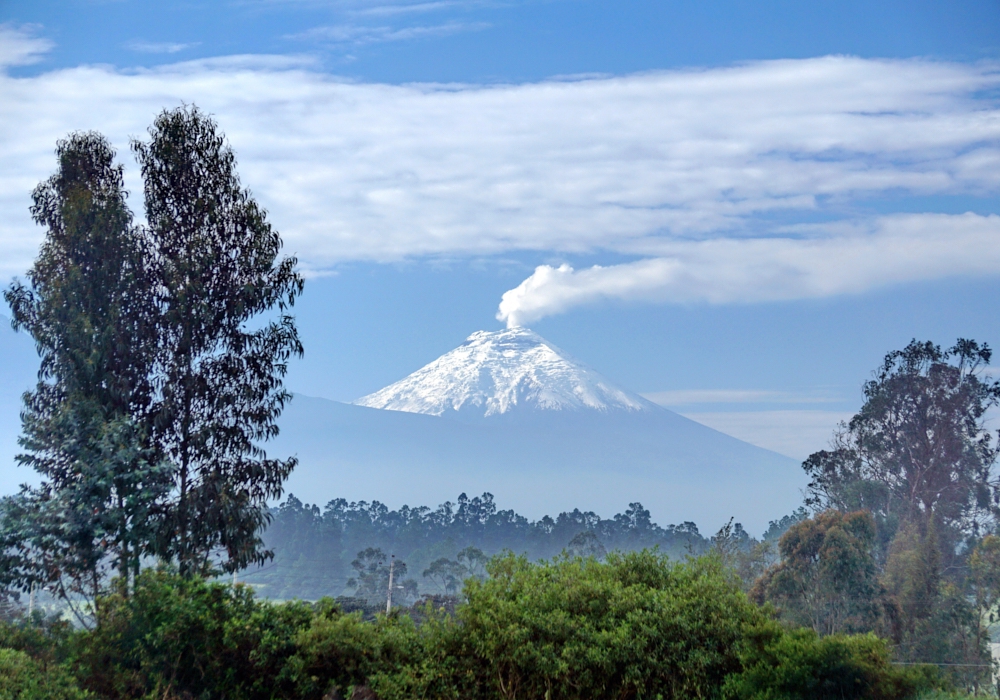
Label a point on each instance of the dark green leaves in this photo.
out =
(218, 382)
(162, 350)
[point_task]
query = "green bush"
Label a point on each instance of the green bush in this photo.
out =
(800, 665)
(43, 639)
(338, 650)
(636, 626)
(174, 636)
(24, 678)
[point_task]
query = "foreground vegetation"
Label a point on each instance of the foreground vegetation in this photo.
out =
(635, 626)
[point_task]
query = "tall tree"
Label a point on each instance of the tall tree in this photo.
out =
(919, 446)
(88, 306)
(919, 457)
(225, 336)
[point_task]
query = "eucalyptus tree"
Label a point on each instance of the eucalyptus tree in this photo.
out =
(919, 449)
(163, 349)
(88, 304)
(920, 457)
(225, 335)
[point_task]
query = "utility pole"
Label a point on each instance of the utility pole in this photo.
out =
(31, 599)
(388, 600)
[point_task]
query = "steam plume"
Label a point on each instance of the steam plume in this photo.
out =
(893, 250)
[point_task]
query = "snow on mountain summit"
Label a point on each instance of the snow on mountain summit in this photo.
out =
(496, 372)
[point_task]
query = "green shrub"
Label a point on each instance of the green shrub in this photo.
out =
(638, 625)
(800, 665)
(43, 639)
(342, 650)
(175, 636)
(24, 678)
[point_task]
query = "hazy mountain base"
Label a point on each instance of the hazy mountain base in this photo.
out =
(679, 469)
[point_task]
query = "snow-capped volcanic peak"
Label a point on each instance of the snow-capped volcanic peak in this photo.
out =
(495, 373)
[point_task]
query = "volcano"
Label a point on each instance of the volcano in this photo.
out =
(508, 412)
(505, 373)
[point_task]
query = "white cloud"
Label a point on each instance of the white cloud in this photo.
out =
(395, 9)
(897, 249)
(666, 165)
(359, 34)
(796, 434)
(158, 46)
(19, 46)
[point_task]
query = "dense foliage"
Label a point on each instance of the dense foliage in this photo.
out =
(919, 450)
(827, 578)
(89, 309)
(636, 626)
(224, 337)
(905, 548)
(163, 348)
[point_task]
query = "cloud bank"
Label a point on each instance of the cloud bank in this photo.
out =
(898, 249)
(687, 170)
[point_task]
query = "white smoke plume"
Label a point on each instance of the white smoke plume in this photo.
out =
(893, 250)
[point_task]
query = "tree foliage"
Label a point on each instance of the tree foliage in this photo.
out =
(918, 457)
(827, 579)
(802, 666)
(371, 577)
(89, 308)
(636, 626)
(314, 547)
(219, 381)
(163, 349)
(919, 445)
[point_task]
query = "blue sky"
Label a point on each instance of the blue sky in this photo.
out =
(734, 207)
(505, 41)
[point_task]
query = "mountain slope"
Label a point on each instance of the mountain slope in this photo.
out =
(510, 413)
(679, 469)
(513, 371)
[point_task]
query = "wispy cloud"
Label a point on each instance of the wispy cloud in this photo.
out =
(388, 8)
(21, 45)
(682, 166)
(796, 434)
(360, 34)
(689, 397)
(158, 46)
(398, 9)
